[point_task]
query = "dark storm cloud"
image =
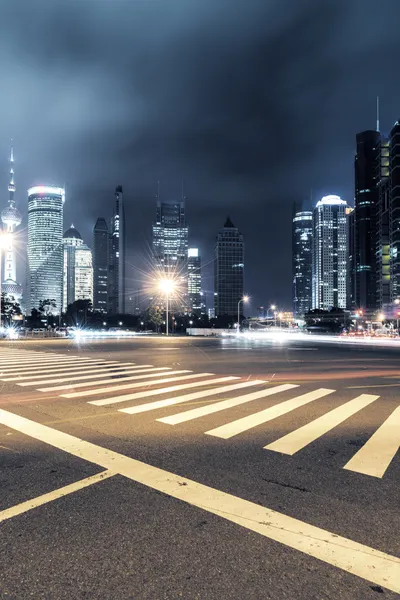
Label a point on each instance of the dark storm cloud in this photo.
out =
(252, 102)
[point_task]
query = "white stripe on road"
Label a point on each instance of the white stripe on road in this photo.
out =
(105, 381)
(40, 360)
(230, 429)
(159, 391)
(56, 370)
(378, 452)
(100, 373)
(129, 386)
(19, 509)
(134, 410)
(298, 439)
(50, 364)
(363, 561)
(223, 405)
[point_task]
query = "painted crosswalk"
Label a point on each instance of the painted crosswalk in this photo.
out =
(125, 385)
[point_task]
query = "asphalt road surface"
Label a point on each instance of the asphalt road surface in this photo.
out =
(165, 468)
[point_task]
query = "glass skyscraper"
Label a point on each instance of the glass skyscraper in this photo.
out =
(116, 273)
(78, 269)
(170, 238)
(302, 262)
(100, 265)
(194, 281)
(228, 270)
(329, 265)
(45, 245)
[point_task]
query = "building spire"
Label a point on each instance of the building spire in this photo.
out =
(377, 113)
(11, 185)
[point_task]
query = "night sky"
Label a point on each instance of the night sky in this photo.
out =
(254, 104)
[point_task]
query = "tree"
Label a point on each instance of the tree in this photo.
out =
(47, 306)
(78, 310)
(154, 316)
(9, 308)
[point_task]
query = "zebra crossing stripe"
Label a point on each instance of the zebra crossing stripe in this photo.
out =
(51, 366)
(378, 452)
(106, 381)
(165, 390)
(224, 404)
(301, 437)
(194, 396)
(99, 373)
(60, 370)
(34, 361)
(240, 425)
(129, 386)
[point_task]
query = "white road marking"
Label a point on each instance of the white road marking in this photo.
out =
(129, 386)
(355, 558)
(159, 391)
(235, 427)
(19, 509)
(301, 437)
(98, 373)
(105, 381)
(49, 366)
(224, 404)
(133, 410)
(378, 452)
(43, 373)
(42, 359)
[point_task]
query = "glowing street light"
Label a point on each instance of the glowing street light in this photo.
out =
(166, 286)
(244, 300)
(5, 241)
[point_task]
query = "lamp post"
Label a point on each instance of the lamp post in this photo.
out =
(280, 320)
(166, 286)
(5, 240)
(272, 307)
(244, 299)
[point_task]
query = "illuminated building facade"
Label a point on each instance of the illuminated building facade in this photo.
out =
(366, 196)
(382, 223)
(100, 265)
(329, 250)
(196, 304)
(11, 218)
(116, 267)
(228, 270)
(394, 211)
(170, 238)
(351, 254)
(302, 231)
(45, 247)
(77, 270)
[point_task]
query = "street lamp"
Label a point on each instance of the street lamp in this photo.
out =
(280, 319)
(244, 299)
(166, 286)
(272, 307)
(5, 241)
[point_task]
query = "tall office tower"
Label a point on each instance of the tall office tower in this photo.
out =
(170, 239)
(11, 218)
(45, 247)
(329, 249)
(351, 251)
(394, 211)
(116, 281)
(366, 196)
(78, 269)
(228, 270)
(302, 261)
(382, 223)
(194, 281)
(100, 265)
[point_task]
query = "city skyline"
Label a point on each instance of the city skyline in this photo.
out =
(229, 142)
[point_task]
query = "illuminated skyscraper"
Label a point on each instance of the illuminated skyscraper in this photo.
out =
(228, 270)
(45, 245)
(11, 218)
(194, 281)
(366, 196)
(329, 263)
(116, 275)
(302, 261)
(382, 224)
(78, 269)
(170, 238)
(100, 265)
(394, 211)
